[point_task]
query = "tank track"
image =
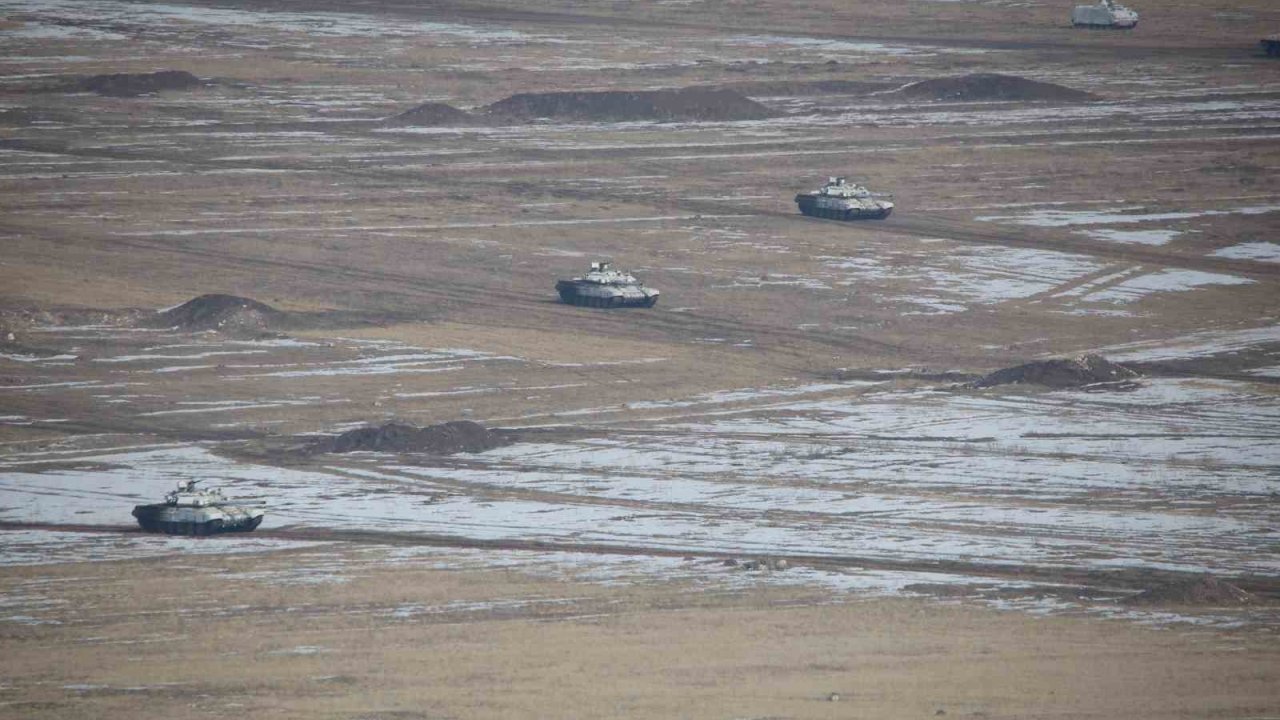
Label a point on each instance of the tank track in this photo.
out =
(569, 295)
(572, 298)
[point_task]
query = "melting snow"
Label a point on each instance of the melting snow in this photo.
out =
(1141, 237)
(1264, 251)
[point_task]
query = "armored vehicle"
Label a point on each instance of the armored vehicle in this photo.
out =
(607, 288)
(1104, 14)
(1271, 45)
(188, 511)
(840, 200)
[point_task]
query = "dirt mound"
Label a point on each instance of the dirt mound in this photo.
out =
(433, 115)
(1084, 370)
(1203, 591)
(991, 86)
(450, 437)
(688, 104)
(134, 84)
(224, 313)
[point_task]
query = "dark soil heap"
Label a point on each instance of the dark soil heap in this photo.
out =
(1203, 591)
(134, 84)
(1084, 370)
(991, 86)
(688, 104)
(433, 115)
(450, 437)
(224, 313)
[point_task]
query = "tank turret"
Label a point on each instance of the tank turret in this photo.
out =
(842, 200)
(190, 511)
(605, 287)
(1104, 14)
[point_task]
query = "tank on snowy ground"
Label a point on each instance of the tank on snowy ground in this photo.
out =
(841, 200)
(1104, 14)
(188, 511)
(605, 287)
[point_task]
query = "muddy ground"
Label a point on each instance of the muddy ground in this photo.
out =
(778, 493)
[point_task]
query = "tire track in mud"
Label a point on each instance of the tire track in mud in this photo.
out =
(588, 431)
(415, 290)
(1114, 580)
(927, 225)
(916, 224)
(704, 513)
(930, 225)
(454, 10)
(411, 290)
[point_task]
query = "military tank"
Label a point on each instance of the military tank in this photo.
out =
(841, 200)
(1271, 45)
(189, 511)
(605, 287)
(1104, 14)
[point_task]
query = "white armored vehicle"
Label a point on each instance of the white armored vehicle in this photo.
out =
(188, 511)
(606, 288)
(840, 200)
(1104, 14)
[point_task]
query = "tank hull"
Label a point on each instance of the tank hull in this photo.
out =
(1103, 17)
(170, 520)
(597, 296)
(1106, 26)
(809, 206)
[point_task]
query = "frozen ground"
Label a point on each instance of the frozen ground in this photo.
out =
(775, 476)
(659, 446)
(965, 487)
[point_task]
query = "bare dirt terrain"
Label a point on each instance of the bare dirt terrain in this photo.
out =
(840, 470)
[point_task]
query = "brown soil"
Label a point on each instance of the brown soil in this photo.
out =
(456, 240)
(1235, 364)
(991, 86)
(688, 104)
(1203, 591)
(226, 637)
(224, 313)
(1077, 372)
(134, 84)
(17, 117)
(442, 439)
(12, 344)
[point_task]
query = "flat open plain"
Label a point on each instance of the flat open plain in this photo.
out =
(775, 494)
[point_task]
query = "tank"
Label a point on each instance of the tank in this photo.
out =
(1271, 45)
(841, 200)
(188, 511)
(1104, 14)
(605, 287)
